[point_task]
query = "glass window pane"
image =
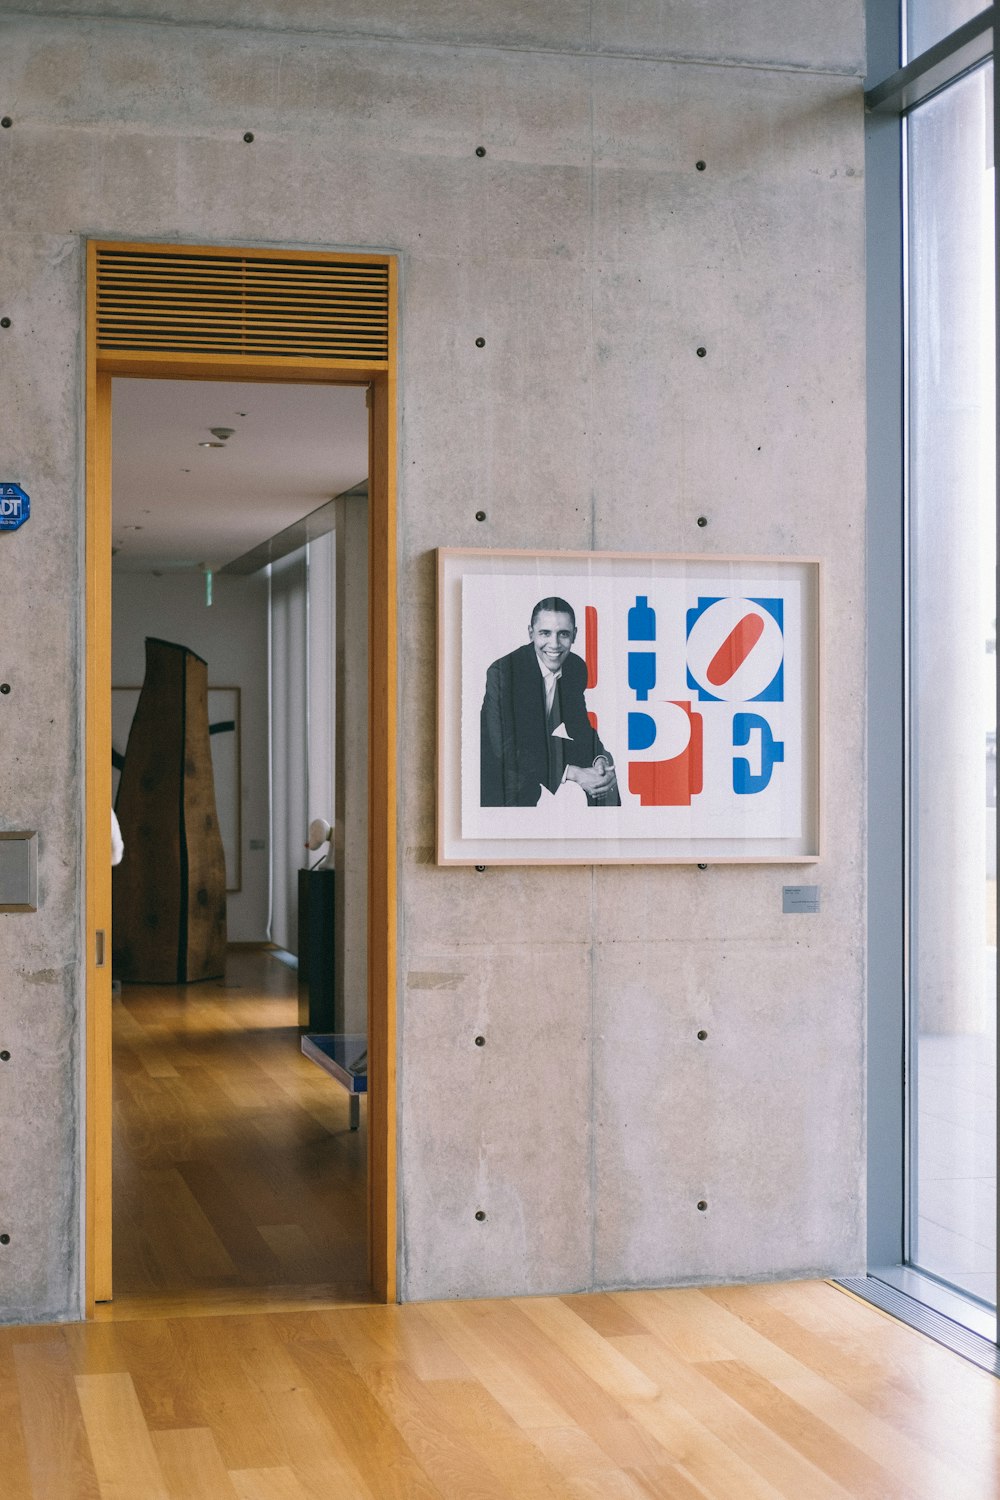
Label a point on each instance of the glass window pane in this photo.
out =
(930, 21)
(952, 520)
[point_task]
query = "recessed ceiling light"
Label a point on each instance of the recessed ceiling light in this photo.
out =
(211, 445)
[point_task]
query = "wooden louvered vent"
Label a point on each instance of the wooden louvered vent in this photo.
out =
(180, 301)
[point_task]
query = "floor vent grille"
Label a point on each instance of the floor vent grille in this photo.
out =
(971, 1346)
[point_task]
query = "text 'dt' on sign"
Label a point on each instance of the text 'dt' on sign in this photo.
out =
(15, 505)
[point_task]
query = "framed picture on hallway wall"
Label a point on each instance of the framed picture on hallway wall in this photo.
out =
(224, 731)
(613, 708)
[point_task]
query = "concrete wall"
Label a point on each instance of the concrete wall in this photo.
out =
(593, 257)
(232, 638)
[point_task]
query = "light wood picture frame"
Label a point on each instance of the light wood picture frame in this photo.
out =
(625, 708)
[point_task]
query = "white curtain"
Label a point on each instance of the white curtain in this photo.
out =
(322, 675)
(302, 677)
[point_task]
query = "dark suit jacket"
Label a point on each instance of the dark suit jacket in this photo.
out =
(517, 757)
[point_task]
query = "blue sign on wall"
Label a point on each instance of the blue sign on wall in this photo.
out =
(15, 506)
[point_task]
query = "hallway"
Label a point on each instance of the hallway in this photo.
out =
(237, 1181)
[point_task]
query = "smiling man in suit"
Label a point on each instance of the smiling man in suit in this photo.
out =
(535, 735)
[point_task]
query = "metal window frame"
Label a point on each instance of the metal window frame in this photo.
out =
(937, 68)
(899, 90)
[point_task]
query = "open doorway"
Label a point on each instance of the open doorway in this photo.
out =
(202, 314)
(239, 1166)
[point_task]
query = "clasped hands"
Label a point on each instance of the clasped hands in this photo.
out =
(595, 779)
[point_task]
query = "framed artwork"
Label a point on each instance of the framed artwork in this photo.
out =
(610, 708)
(224, 730)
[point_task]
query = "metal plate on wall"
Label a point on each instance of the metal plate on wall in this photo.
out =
(18, 872)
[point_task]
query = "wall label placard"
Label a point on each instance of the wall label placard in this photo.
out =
(800, 899)
(15, 505)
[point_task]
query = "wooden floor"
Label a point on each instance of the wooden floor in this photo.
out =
(237, 1180)
(226, 1370)
(797, 1392)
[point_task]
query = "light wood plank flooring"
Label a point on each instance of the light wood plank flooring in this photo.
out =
(794, 1392)
(233, 1367)
(237, 1180)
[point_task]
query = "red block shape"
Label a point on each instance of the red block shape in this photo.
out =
(590, 644)
(671, 783)
(735, 649)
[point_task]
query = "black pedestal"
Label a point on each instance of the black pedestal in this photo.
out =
(318, 1004)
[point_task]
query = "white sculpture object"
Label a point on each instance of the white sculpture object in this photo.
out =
(321, 833)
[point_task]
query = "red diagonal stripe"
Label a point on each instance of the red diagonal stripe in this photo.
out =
(735, 649)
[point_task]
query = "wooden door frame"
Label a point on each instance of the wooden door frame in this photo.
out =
(380, 378)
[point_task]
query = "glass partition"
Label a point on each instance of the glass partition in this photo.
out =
(930, 21)
(952, 683)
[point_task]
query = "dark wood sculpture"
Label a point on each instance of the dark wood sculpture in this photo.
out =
(170, 889)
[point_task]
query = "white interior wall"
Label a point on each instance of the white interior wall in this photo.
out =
(351, 831)
(231, 636)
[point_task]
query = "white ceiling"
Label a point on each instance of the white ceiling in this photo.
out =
(176, 505)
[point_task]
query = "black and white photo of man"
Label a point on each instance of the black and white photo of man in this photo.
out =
(535, 736)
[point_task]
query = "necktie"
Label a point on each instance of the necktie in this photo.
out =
(557, 756)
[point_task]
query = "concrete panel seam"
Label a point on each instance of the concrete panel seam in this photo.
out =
(450, 44)
(444, 980)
